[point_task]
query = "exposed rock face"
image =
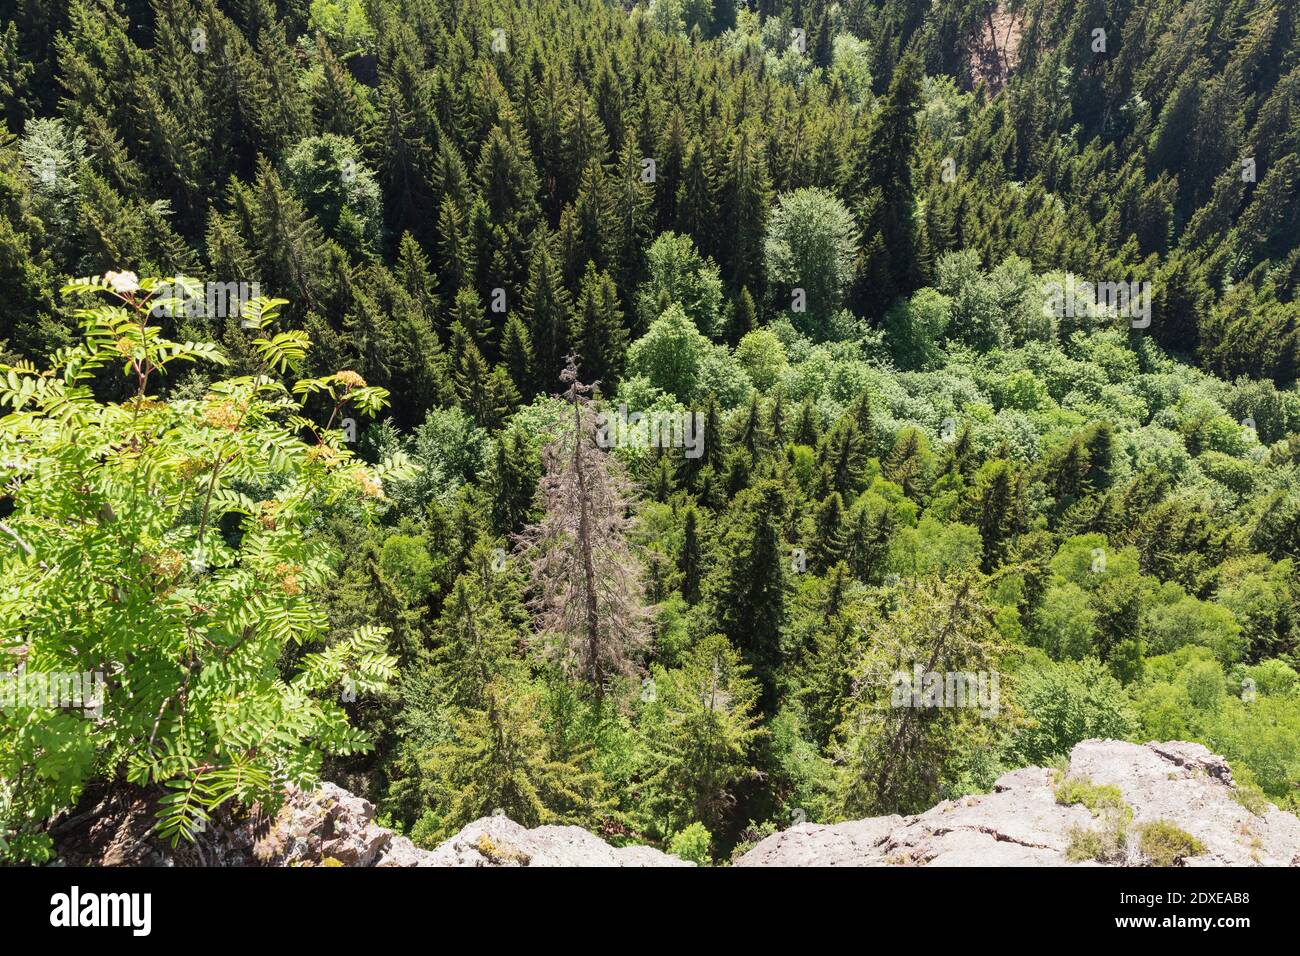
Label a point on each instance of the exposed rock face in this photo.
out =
(332, 827)
(1021, 824)
(328, 827)
(499, 841)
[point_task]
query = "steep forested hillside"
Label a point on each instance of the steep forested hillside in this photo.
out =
(607, 413)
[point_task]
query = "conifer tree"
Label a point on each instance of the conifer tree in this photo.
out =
(807, 428)
(586, 592)
(415, 273)
(995, 506)
(898, 747)
(600, 336)
(702, 727)
(455, 256)
(584, 144)
(593, 217)
(746, 198)
(514, 483)
(548, 309)
(473, 646)
(630, 217)
(749, 586)
(697, 208)
(499, 760)
(908, 462)
(517, 356)
(828, 541)
(825, 677)
(744, 318)
(689, 566)
(888, 225)
(867, 541)
(842, 457)
(509, 181)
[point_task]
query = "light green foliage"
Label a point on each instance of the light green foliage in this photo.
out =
(1262, 597)
(701, 727)
(917, 327)
(722, 377)
(1174, 619)
(406, 563)
(116, 564)
(1271, 679)
(676, 273)
(499, 758)
(809, 246)
(344, 23)
(933, 547)
(1063, 704)
(452, 216)
(671, 354)
(895, 756)
(691, 844)
(1164, 844)
(1065, 625)
(851, 65)
(762, 356)
(1023, 390)
(1088, 561)
(668, 15)
(1098, 798)
(992, 310)
(446, 452)
(1188, 697)
(1109, 840)
(945, 112)
(808, 778)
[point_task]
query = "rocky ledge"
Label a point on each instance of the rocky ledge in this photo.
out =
(1184, 788)
(1021, 823)
(327, 827)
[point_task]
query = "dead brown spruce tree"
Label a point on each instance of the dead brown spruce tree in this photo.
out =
(585, 588)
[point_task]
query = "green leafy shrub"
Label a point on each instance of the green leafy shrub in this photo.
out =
(1098, 798)
(166, 548)
(1065, 703)
(1165, 844)
(691, 844)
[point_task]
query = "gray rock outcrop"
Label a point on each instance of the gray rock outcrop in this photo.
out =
(1021, 823)
(326, 827)
(332, 827)
(499, 841)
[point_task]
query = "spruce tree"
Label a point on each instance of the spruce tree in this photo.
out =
(586, 592)
(828, 541)
(896, 756)
(689, 558)
(600, 336)
(749, 587)
(548, 310)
